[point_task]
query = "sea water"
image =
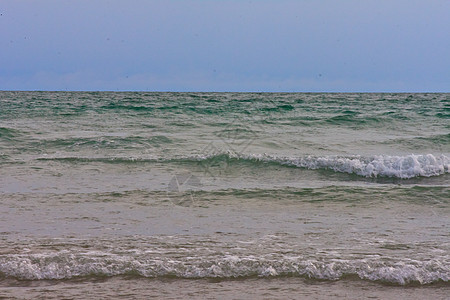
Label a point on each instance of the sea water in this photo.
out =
(224, 195)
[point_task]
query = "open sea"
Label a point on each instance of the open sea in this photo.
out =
(224, 195)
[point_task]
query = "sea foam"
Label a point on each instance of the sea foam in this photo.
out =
(404, 167)
(408, 166)
(65, 265)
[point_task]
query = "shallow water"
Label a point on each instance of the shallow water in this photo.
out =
(206, 194)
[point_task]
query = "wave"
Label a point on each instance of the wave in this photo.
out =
(66, 265)
(351, 119)
(118, 106)
(439, 141)
(403, 167)
(9, 133)
(99, 142)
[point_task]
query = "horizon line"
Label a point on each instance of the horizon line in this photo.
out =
(252, 92)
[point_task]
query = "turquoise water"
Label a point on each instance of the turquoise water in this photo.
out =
(349, 188)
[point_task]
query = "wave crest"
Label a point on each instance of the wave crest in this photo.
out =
(403, 167)
(65, 265)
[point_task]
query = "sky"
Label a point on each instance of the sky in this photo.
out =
(226, 45)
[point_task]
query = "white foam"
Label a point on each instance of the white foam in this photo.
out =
(404, 167)
(64, 265)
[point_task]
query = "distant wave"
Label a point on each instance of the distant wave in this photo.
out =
(102, 142)
(66, 265)
(8, 133)
(404, 167)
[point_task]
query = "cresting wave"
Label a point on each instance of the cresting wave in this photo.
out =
(66, 265)
(404, 167)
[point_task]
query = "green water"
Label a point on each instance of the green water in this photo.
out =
(321, 188)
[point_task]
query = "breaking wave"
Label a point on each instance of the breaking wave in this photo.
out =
(66, 265)
(403, 167)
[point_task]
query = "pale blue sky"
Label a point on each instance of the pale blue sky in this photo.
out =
(224, 45)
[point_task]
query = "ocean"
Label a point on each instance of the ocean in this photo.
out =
(224, 195)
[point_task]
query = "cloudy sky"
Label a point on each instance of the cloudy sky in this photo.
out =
(225, 45)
